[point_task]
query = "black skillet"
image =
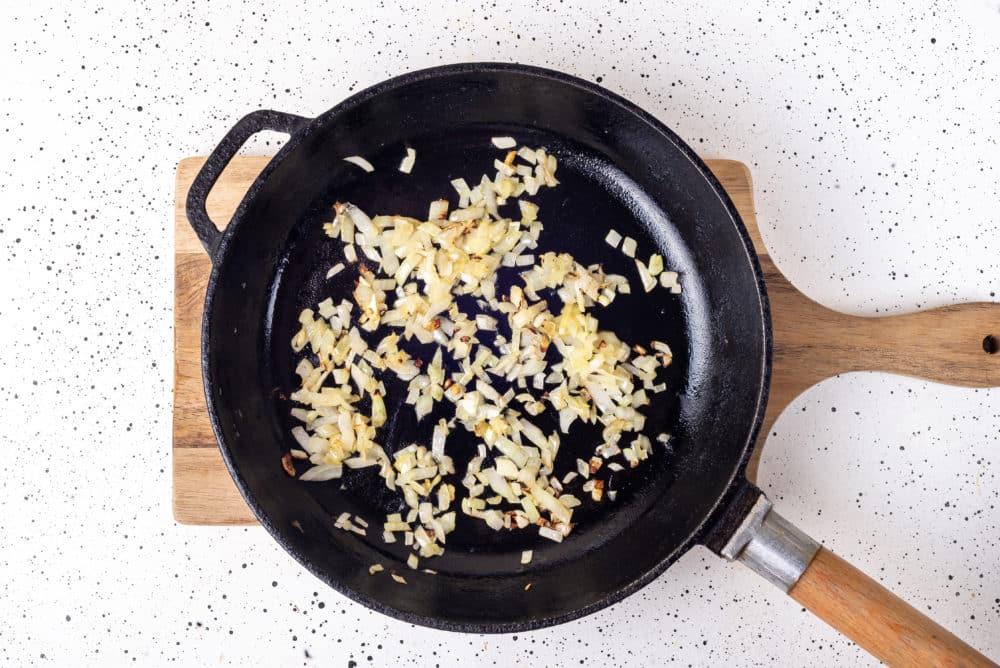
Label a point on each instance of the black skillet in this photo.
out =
(618, 167)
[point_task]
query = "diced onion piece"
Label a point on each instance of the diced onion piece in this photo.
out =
(322, 473)
(629, 246)
(406, 166)
(613, 238)
(486, 323)
(361, 221)
(462, 188)
(326, 308)
(412, 561)
(668, 279)
(504, 169)
(438, 439)
(504, 142)
(350, 253)
(439, 208)
(379, 415)
(335, 269)
(301, 437)
(524, 260)
(360, 162)
(526, 556)
(648, 282)
(375, 568)
(655, 264)
(551, 534)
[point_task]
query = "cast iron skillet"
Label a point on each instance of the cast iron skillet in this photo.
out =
(618, 167)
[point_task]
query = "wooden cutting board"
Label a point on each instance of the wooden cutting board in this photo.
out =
(950, 345)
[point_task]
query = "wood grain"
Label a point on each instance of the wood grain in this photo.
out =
(811, 342)
(876, 619)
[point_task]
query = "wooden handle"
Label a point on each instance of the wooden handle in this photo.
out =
(959, 344)
(876, 619)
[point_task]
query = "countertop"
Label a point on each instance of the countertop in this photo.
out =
(872, 133)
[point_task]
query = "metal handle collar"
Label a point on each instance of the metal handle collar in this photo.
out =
(771, 546)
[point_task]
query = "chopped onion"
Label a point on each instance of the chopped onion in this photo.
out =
(551, 534)
(360, 162)
(321, 473)
(486, 323)
(335, 269)
(648, 282)
(301, 437)
(437, 441)
(439, 208)
(406, 166)
(462, 188)
(629, 246)
(526, 556)
(504, 142)
(535, 348)
(668, 279)
(504, 169)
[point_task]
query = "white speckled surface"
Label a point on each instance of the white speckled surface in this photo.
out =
(873, 137)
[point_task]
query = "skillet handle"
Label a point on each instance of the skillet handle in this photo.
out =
(875, 618)
(246, 127)
(841, 595)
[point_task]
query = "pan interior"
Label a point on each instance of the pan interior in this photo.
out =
(593, 196)
(615, 171)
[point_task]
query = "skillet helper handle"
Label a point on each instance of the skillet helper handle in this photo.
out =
(880, 622)
(957, 345)
(246, 127)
